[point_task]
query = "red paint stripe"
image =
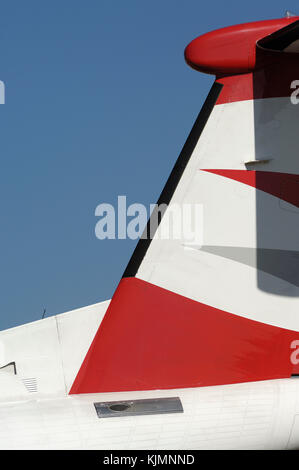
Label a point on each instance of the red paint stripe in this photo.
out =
(152, 338)
(267, 82)
(236, 88)
(282, 185)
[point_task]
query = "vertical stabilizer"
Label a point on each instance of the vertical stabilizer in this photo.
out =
(225, 310)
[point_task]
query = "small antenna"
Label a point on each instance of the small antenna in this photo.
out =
(44, 313)
(289, 14)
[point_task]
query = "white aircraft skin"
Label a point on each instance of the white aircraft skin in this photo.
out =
(40, 361)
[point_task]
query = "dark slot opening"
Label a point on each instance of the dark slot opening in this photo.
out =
(119, 407)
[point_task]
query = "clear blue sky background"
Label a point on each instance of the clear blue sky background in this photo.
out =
(99, 103)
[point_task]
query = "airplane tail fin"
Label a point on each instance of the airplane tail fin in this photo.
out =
(223, 309)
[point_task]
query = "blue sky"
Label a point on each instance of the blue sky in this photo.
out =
(99, 103)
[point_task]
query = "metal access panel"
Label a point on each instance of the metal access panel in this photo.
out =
(150, 406)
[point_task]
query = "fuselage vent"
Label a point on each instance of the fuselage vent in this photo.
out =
(31, 384)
